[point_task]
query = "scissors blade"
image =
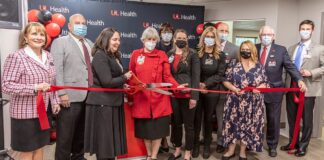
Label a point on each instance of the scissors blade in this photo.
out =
(155, 85)
(161, 91)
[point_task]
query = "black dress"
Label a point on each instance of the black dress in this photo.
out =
(105, 122)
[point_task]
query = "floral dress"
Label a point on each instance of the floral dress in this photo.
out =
(244, 114)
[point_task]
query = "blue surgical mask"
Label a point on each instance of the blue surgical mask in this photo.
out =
(209, 41)
(266, 40)
(305, 34)
(80, 30)
(223, 36)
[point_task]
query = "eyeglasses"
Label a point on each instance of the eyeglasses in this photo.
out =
(269, 34)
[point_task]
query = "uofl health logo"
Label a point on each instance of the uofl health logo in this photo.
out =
(152, 24)
(55, 9)
(121, 13)
(178, 16)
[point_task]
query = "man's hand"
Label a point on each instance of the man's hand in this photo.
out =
(65, 100)
(56, 109)
(305, 73)
(302, 86)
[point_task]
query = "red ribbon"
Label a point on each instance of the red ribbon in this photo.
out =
(134, 89)
(41, 111)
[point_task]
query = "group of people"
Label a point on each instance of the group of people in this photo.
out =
(93, 122)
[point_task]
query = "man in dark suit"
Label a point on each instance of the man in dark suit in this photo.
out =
(275, 58)
(230, 50)
(73, 68)
(309, 59)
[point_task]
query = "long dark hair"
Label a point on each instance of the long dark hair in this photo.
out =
(103, 42)
(185, 50)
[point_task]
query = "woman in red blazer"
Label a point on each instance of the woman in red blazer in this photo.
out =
(151, 110)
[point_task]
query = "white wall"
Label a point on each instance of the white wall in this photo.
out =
(9, 43)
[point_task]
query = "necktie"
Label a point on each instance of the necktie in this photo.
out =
(298, 58)
(263, 55)
(87, 60)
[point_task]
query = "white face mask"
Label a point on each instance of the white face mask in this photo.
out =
(305, 34)
(223, 36)
(150, 45)
(166, 37)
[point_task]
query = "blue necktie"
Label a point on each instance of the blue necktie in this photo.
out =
(298, 58)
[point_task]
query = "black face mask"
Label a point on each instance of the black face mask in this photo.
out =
(181, 43)
(245, 54)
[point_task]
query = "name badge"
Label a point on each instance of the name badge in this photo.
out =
(208, 62)
(140, 59)
(307, 56)
(171, 59)
(272, 63)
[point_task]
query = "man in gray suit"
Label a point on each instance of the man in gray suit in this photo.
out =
(309, 60)
(230, 50)
(73, 67)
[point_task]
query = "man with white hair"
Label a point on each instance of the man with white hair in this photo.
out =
(73, 68)
(275, 58)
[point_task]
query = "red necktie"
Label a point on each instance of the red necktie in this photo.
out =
(263, 55)
(87, 59)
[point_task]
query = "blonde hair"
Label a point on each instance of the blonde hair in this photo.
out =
(39, 28)
(150, 32)
(251, 46)
(201, 45)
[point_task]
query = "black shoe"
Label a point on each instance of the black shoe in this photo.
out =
(220, 149)
(206, 152)
(195, 152)
(300, 152)
(228, 158)
(172, 157)
(272, 152)
(163, 149)
(242, 158)
(287, 147)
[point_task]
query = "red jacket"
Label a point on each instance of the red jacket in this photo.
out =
(151, 67)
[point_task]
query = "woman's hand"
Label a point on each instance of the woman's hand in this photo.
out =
(42, 87)
(238, 91)
(192, 103)
(203, 86)
(128, 75)
(56, 109)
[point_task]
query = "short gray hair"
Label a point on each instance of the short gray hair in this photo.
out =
(150, 32)
(268, 27)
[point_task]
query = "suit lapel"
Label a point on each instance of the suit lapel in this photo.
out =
(76, 47)
(271, 54)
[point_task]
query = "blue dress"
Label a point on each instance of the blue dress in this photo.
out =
(244, 114)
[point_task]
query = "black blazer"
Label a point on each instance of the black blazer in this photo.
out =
(188, 71)
(212, 70)
(277, 60)
(106, 74)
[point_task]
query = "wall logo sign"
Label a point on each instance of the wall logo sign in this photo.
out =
(97, 22)
(121, 13)
(152, 24)
(54, 9)
(128, 35)
(178, 16)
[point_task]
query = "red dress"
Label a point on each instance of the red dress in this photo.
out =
(151, 68)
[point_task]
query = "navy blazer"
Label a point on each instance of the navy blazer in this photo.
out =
(277, 60)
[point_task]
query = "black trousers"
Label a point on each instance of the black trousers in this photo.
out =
(307, 119)
(182, 115)
(207, 105)
(70, 132)
(273, 112)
